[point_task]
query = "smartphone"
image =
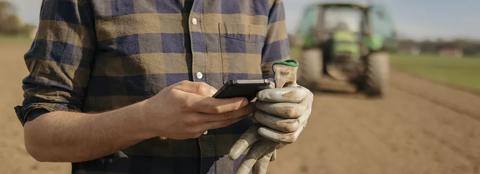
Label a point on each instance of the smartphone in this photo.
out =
(242, 88)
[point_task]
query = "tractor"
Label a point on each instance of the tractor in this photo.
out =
(344, 47)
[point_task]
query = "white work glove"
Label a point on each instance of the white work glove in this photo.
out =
(282, 113)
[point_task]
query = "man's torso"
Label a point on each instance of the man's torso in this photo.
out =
(143, 46)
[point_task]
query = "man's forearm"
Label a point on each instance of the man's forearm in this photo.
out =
(75, 137)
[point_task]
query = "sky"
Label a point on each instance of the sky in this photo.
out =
(415, 19)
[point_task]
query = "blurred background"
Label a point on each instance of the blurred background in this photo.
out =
(397, 86)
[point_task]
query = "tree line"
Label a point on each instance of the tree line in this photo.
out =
(468, 47)
(10, 23)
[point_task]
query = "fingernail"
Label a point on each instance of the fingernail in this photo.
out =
(213, 91)
(245, 102)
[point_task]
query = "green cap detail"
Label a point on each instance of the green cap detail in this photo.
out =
(288, 62)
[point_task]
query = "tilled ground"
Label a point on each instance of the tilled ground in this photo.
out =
(421, 127)
(13, 157)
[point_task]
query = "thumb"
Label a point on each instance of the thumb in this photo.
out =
(244, 143)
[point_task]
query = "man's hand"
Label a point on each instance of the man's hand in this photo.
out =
(186, 110)
(282, 114)
(181, 111)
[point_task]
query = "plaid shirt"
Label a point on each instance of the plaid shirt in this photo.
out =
(99, 55)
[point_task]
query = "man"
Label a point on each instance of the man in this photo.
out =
(108, 78)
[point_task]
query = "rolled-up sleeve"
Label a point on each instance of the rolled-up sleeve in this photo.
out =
(59, 60)
(276, 46)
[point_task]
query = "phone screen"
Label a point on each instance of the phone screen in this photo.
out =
(242, 88)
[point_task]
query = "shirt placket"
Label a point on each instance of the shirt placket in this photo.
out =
(198, 45)
(199, 48)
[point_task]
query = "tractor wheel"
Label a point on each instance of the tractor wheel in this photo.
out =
(377, 72)
(311, 68)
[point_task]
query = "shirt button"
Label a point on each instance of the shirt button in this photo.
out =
(199, 75)
(194, 21)
(205, 133)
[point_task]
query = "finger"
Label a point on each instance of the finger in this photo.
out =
(209, 105)
(199, 88)
(241, 113)
(284, 110)
(261, 166)
(302, 121)
(280, 124)
(261, 148)
(288, 137)
(290, 94)
(244, 142)
(274, 155)
(306, 115)
(220, 124)
(280, 137)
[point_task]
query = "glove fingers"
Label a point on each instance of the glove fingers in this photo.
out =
(274, 155)
(280, 137)
(284, 110)
(302, 121)
(306, 115)
(243, 143)
(261, 166)
(283, 125)
(260, 149)
(289, 95)
(287, 138)
(246, 166)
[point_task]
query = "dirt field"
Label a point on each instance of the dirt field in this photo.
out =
(13, 158)
(420, 128)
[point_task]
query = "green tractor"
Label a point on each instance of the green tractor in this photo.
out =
(344, 47)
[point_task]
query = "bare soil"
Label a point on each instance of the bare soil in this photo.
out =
(419, 128)
(13, 157)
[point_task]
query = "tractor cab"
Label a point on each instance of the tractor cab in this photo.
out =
(343, 35)
(321, 20)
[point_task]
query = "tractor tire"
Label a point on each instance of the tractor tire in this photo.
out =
(311, 68)
(377, 74)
